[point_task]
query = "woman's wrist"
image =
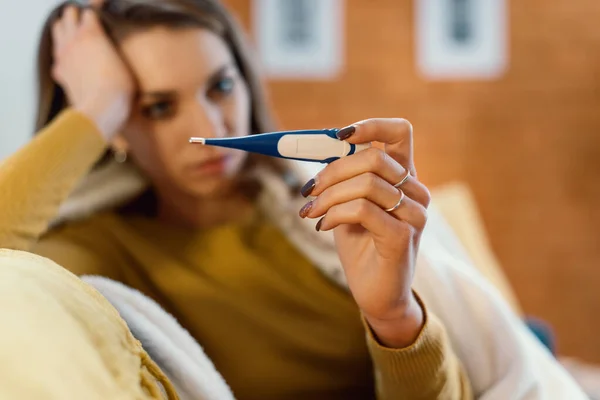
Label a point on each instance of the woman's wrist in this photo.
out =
(401, 331)
(108, 119)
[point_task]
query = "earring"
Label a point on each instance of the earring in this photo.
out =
(120, 156)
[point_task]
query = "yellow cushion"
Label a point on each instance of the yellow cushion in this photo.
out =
(60, 338)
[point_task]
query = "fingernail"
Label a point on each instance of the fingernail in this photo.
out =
(308, 188)
(305, 209)
(346, 132)
(318, 226)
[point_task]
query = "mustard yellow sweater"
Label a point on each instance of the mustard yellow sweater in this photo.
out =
(274, 326)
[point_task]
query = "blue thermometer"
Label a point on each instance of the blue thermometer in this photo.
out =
(320, 145)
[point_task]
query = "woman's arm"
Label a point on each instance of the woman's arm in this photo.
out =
(35, 180)
(427, 369)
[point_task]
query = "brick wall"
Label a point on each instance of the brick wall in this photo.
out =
(528, 144)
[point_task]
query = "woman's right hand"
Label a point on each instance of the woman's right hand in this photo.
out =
(90, 70)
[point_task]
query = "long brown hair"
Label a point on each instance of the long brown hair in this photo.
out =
(124, 17)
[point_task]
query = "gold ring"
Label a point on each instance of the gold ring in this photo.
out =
(398, 204)
(403, 181)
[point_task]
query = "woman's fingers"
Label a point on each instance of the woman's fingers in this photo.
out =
(395, 133)
(58, 36)
(370, 216)
(64, 29)
(91, 21)
(372, 188)
(374, 161)
(360, 212)
(70, 20)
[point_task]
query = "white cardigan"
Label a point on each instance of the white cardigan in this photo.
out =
(502, 358)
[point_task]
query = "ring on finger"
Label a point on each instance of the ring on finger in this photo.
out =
(403, 181)
(398, 204)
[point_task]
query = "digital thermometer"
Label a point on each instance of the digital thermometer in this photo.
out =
(320, 145)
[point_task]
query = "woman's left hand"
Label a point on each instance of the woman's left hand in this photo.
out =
(377, 235)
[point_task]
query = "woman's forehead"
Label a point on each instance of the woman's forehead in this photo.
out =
(169, 59)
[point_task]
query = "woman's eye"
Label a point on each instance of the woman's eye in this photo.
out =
(223, 86)
(158, 110)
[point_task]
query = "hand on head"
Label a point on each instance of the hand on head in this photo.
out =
(90, 70)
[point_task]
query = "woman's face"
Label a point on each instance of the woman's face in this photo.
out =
(188, 85)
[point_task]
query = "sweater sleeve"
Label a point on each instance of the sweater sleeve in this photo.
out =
(35, 180)
(427, 369)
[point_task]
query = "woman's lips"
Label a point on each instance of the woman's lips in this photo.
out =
(213, 166)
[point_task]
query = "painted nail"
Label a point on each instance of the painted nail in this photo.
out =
(346, 132)
(308, 188)
(305, 209)
(318, 227)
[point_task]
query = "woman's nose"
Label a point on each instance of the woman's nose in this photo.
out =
(207, 120)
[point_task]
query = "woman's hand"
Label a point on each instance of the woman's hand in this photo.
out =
(90, 70)
(377, 248)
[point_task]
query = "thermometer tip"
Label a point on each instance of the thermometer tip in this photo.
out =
(198, 140)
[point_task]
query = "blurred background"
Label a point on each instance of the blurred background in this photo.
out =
(526, 141)
(519, 125)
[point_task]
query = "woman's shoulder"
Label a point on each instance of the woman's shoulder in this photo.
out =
(89, 227)
(85, 246)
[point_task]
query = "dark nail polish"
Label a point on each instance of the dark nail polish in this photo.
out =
(305, 209)
(318, 227)
(308, 188)
(346, 132)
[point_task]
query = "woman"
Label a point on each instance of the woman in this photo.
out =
(207, 233)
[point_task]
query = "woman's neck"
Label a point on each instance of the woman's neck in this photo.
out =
(203, 213)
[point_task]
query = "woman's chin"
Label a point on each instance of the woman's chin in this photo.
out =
(210, 187)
